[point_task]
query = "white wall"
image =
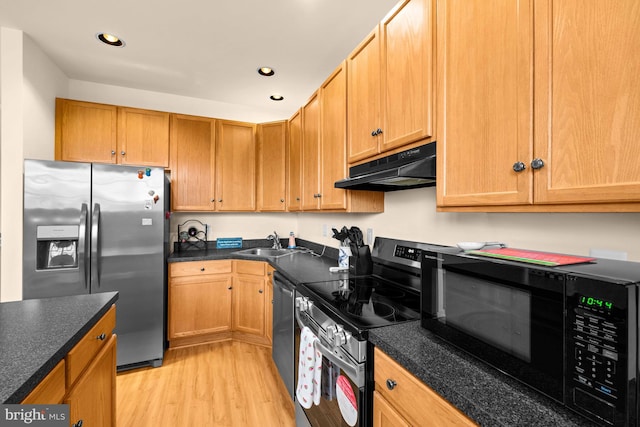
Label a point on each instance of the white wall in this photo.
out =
(411, 215)
(29, 84)
(108, 94)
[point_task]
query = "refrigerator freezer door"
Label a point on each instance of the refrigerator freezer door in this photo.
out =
(57, 197)
(129, 256)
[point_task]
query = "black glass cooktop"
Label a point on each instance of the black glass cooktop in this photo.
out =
(368, 302)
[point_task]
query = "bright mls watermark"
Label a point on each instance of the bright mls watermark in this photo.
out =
(34, 415)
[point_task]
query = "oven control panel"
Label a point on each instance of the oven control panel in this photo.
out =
(412, 254)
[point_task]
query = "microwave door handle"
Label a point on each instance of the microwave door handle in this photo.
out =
(352, 371)
(83, 250)
(95, 243)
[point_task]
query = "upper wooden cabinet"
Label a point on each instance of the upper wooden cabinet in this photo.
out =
(90, 132)
(390, 82)
(294, 163)
(192, 163)
(271, 164)
(311, 153)
(550, 128)
(143, 137)
(236, 166)
(324, 153)
(85, 131)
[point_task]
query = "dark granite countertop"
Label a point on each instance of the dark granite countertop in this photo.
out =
(486, 395)
(309, 264)
(36, 334)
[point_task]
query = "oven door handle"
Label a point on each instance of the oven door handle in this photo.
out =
(356, 373)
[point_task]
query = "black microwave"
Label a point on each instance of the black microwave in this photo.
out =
(568, 332)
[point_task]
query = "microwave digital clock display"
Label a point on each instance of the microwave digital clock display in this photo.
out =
(589, 301)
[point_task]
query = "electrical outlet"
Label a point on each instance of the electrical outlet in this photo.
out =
(369, 236)
(325, 230)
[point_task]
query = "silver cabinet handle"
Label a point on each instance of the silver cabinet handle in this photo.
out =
(391, 384)
(113, 152)
(101, 337)
(122, 152)
(519, 166)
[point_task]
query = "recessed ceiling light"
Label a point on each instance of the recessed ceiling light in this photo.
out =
(276, 97)
(266, 71)
(110, 39)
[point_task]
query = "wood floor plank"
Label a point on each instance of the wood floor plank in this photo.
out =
(219, 384)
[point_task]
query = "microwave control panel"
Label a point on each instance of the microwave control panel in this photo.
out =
(597, 348)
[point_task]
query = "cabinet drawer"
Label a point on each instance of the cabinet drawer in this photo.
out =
(256, 268)
(195, 268)
(419, 404)
(81, 355)
(50, 390)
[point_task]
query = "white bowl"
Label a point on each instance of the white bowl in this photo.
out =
(470, 246)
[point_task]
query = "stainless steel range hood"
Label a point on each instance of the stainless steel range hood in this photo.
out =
(413, 168)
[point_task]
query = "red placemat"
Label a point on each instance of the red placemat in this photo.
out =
(533, 257)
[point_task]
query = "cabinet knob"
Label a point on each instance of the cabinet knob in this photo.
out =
(373, 133)
(519, 166)
(213, 200)
(220, 200)
(122, 152)
(537, 163)
(297, 199)
(281, 200)
(391, 384)
(78, 424)
(269, 274)
(319, 195)
(202, 269)
(378, 131)
(230, 287)
(260, 291)
(101, 337)
(113, 152)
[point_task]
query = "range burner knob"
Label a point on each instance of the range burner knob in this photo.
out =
(337, 335)
(303, 304)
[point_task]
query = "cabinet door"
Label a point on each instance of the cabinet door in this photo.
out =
(333, 158)
(587, 101)
(311, 153)
(85, 131)
(384, 415)
(199, 305)
(294, 163)
(236, 167)
(92, 399)
(363, 65)
(272, 171)
(249, 304)
(484, 69)
(192, 163)
(407, 74)
(143, 137)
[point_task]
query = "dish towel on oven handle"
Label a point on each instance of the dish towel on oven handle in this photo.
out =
(309, 370)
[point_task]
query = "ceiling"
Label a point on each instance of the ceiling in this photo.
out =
(207, 49)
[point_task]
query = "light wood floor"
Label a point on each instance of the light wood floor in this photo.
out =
(220, 384)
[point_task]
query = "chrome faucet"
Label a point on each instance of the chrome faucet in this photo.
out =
(276, 240)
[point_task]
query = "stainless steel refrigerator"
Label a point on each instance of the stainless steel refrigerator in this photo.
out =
(92, 228)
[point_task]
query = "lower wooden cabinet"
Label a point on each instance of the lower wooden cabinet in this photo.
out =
(92, 399)
(400, 399)
(86, 378)
(219, 300)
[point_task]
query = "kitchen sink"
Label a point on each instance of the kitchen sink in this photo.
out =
(265, 252)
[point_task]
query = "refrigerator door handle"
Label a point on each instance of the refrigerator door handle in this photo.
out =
(83, 245)
(95, 243)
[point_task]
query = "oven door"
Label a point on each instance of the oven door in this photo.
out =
(343, 399)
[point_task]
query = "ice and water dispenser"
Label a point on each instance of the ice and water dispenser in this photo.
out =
(57, 246)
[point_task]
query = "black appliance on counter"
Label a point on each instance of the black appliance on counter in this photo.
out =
(341, 313)
(569, 332)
